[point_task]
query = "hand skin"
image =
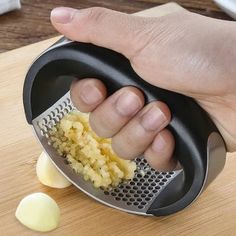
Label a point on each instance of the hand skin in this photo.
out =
(182, 52)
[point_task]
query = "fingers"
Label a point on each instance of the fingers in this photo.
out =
(103, 27)
(134, 129)
(116, 111)
(87, 94)
(159, 153)
(137, 135)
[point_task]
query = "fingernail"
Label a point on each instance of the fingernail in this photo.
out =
(153, 119)
(158, 144)
(128, 104)
(90, 94)
(62, 15)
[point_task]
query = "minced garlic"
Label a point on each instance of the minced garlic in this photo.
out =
(89, 154)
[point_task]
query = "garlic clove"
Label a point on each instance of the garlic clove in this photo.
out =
(38, 212)
(48, 174)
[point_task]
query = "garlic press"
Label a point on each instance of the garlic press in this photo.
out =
(199, 148)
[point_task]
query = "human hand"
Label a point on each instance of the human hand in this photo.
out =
(181, 52)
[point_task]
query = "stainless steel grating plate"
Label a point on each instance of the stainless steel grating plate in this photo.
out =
(133, 196)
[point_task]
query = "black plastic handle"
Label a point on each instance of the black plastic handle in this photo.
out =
(50, 76)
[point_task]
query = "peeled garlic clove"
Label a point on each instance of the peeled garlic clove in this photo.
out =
(48, 174)
(38, 212)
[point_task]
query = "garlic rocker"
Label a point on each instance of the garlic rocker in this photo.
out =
(199, 146)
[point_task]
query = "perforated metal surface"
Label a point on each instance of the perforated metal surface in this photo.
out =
(146, 184)
(134, 196)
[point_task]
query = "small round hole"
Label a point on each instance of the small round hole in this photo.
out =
(168, 176)
(113, 194)
(136, 195)
(117, 198)
(42, 132)
(162, 183)
(135, 187)
(136, 203)
(150, 195)
(140, 207)
(106, 193)
(164, 180)
(128, 203)
(147, 198)
(131, 191)
(132, 199)
(143, 203)
(139, 183)
(125, 191)
(124, 199)
(139, 199)
(139, 191)
(120, 195)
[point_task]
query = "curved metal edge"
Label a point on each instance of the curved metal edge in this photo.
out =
(28, 83)
(216, 157)
(61, 42)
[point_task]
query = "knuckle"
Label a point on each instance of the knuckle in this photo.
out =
(142, 37)
(99, 126)
(93, 124)
(117, 147)
(96, 14)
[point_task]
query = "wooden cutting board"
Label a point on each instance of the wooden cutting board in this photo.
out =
(213, 214)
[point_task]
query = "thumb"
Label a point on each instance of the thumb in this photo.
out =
(118, 31)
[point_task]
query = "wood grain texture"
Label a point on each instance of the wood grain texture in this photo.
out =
(213, 214)
(31, 24)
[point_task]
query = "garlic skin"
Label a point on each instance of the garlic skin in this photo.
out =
(38, 212)
(48, 174)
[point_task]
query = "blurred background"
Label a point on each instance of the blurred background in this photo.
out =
(31, 23)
